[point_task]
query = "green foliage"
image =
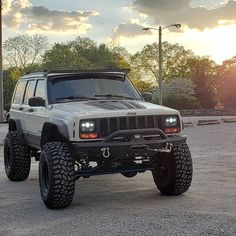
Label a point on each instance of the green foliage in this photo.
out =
(10, 77)
(175, 61)
(179, 94)
(60, 56)
(121, 57)
(180, 101)
(203, 74)
(228, 65)
(206, 85)
(227, 93)
(227, 84)
(83, 53)
(142, 85)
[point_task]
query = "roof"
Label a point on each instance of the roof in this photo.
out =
(53, 73)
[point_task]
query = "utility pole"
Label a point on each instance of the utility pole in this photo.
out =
(160, 66)
(160, 62)
(1, 69)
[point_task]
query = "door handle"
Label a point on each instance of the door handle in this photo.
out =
(30, 110)
(20, 108)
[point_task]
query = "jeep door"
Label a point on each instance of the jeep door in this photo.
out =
(34, 116)
(16, 111)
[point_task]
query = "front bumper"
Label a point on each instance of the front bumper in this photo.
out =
(127, 144)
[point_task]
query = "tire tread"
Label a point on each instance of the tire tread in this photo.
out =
(182, 161)
(20, 157)
(61, 165)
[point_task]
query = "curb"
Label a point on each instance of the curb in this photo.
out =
(229, 120)
(188, 124)
(208, 122)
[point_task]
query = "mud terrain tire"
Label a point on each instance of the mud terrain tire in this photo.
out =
(56, 175)
(17, 158)
(173, 175)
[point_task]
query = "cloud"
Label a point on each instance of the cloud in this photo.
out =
(129, 30)
(21, 13)
(168, 11)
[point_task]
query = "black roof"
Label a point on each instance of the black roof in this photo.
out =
(124, 71)
(46, 73)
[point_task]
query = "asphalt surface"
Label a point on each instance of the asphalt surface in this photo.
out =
(115, 205)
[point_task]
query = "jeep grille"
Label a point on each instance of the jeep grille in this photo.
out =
(112, 124)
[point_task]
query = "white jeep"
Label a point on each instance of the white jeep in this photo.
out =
(85, 123)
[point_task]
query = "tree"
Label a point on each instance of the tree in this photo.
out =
(139, 81)
(143, 85)
(24, 51)
(175, 61)
(179, 86)
(227, 65)
(203, 73)
(227, 83)
(82, 53)
(62, 56)
(121, 57)
(179, 94)
(227, 90)
(10, 77)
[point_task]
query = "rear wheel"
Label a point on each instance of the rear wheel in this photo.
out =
(173, 175)
(56, 175)
(17, 158)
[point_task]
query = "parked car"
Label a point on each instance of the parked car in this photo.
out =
(89, 123)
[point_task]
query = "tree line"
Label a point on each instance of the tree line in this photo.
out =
(189, 80)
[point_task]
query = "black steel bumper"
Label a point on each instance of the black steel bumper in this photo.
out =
(127, 144)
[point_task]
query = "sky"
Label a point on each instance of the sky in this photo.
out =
(208, 27)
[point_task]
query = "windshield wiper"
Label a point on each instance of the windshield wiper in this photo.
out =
(75, 98)
(113, 96)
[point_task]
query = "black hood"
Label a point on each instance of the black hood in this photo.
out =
(116, 105)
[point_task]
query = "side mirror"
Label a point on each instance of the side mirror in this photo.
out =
(36, 102)
(147, 96)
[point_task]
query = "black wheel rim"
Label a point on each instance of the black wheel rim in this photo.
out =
(7, 157)
(162, 173)
(45, 176)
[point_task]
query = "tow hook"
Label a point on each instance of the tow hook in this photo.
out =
(166, 149)
(105, 152)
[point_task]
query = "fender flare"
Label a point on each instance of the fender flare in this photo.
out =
(55, 131)
(15, 125)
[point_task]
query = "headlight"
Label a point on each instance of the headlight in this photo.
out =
(87, 126)
(171, 121)
(172, 124)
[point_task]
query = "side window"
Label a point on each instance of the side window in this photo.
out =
(29, 93)
(19, 92)
(40, 89)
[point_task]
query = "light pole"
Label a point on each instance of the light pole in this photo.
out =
(160, 61)
(1, 72)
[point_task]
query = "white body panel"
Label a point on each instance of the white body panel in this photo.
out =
(71, 112)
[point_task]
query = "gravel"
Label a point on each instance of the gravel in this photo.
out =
(115, 205)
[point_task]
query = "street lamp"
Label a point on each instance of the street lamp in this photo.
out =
(160, 54)
(1, 72)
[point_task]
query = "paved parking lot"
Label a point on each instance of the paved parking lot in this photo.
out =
(115, 205)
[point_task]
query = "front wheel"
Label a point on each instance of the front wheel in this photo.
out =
(173, 174)
(56, 175)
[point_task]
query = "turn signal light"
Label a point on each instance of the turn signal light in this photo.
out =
(88, 136)
(172, 130)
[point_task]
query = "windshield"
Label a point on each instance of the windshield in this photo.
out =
(91, 87)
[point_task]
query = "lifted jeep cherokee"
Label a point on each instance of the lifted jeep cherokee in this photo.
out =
(85, 123)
